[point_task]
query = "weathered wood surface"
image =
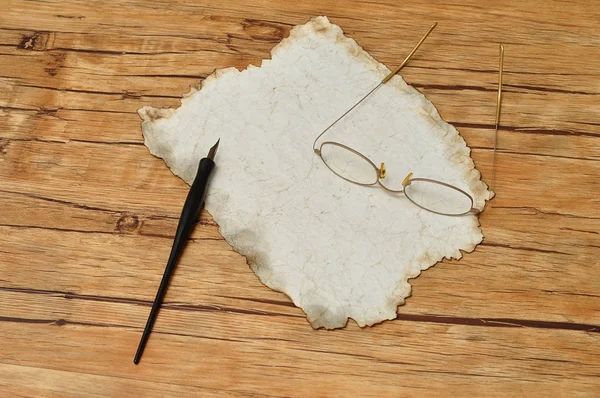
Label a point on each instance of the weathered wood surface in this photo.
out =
(87, 215)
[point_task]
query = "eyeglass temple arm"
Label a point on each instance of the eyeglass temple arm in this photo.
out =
(392, 73)
(385, 80)
(497, 122)
(317, 151)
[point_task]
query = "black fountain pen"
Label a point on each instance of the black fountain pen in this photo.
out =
(189, 216)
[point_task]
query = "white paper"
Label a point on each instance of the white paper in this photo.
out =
(338, 250)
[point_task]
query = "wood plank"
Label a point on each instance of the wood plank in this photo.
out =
(274, 351)
(110, 73)
(52, 214)
(27, 381)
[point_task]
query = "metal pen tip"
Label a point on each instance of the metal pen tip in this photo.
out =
(213, 150)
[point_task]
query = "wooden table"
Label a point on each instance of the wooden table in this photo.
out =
(87, 215)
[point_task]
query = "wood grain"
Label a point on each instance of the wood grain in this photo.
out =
(87, 215)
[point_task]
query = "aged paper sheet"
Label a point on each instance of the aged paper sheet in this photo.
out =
(338, 250)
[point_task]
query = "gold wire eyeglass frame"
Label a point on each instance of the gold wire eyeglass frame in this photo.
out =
(408, 180)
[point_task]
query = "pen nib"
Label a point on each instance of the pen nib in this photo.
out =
(213, 150)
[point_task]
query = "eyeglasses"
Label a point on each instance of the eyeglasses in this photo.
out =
(432, 195)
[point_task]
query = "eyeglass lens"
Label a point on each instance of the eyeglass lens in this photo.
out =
(348, 164)
(437, 197)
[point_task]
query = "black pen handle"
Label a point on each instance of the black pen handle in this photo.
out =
(189, 215)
